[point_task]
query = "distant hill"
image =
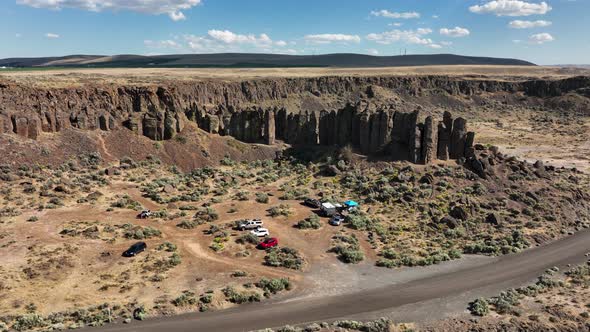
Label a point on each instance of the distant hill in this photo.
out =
(244, 60)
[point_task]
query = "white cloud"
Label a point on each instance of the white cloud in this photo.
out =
(328, 38)
(177, 16)
(373, 51)
(51, 35)
(417, 36)
(396, 24)
(228, 37)
(541, 38)
(518, 24)
(511, 8)
(455, 32)
(388, 14)
(162, 44)
(173, 8)
(220, 41)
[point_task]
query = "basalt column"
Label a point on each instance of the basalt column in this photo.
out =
(428, 141)
(415, 140)
(269, 127)
(458, 139)
(445, 129)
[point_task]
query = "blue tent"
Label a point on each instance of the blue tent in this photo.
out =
(351, 203)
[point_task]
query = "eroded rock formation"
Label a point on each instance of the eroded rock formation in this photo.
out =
(225, 108)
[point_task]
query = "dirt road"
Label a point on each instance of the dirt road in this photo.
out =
(512, 270)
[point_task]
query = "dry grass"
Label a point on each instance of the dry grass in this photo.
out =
(147, 76)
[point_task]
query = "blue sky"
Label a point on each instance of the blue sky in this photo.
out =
(550, 32)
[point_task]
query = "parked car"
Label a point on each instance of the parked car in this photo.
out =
(260, 232)
(250, 224)
(268, 243)
(313, 203)
(144, 214)
(135, 249)
(336, 220)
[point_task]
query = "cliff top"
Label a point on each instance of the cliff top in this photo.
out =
(65, 77)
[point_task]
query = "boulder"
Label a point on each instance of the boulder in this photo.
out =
(451, 222)
(459, 212)
(494, 218)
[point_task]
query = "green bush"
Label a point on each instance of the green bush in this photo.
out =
(187, 224)
(167, 246)
(28, 322)
(347, 248)
(140, 233)
(236, 297)
(248, 238)
(311, 222)
(280, 210)
(284, 257)
(479, 307)
(273, 286)
(262, 198)
(186, 299)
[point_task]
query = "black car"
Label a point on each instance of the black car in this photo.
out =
(313, 203)
(135, 249)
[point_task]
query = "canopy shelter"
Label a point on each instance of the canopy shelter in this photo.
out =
(351, 204)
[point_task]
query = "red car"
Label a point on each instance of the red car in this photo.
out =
(268, 243)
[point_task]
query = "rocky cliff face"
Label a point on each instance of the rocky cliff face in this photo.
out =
(234, 109)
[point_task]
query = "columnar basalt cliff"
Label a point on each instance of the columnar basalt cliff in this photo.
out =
(236, 109)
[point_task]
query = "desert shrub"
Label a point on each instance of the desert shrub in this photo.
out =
(33, 219)
(242, 196)
(233, 296)
(262, 198)
(347, 248)
(291, 194)
(28, 322)
(311, 222)
(248, 238)
(140, 313)
(273, 286)
(479, 307)
(284, 257)
(187, 224)
(239, 274)
(140, 233)
(206, 298)
(509, 244)
(180, 139)
(125, 202)
(207, 215)
(186, 299)
(217, 246)
(349, 255)
(359, 220)
(280, 210)
(174, 260)
(505, 301)
(167, 246)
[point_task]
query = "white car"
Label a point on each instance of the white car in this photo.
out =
(250, 224)
(145, 214)
(260, 232)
